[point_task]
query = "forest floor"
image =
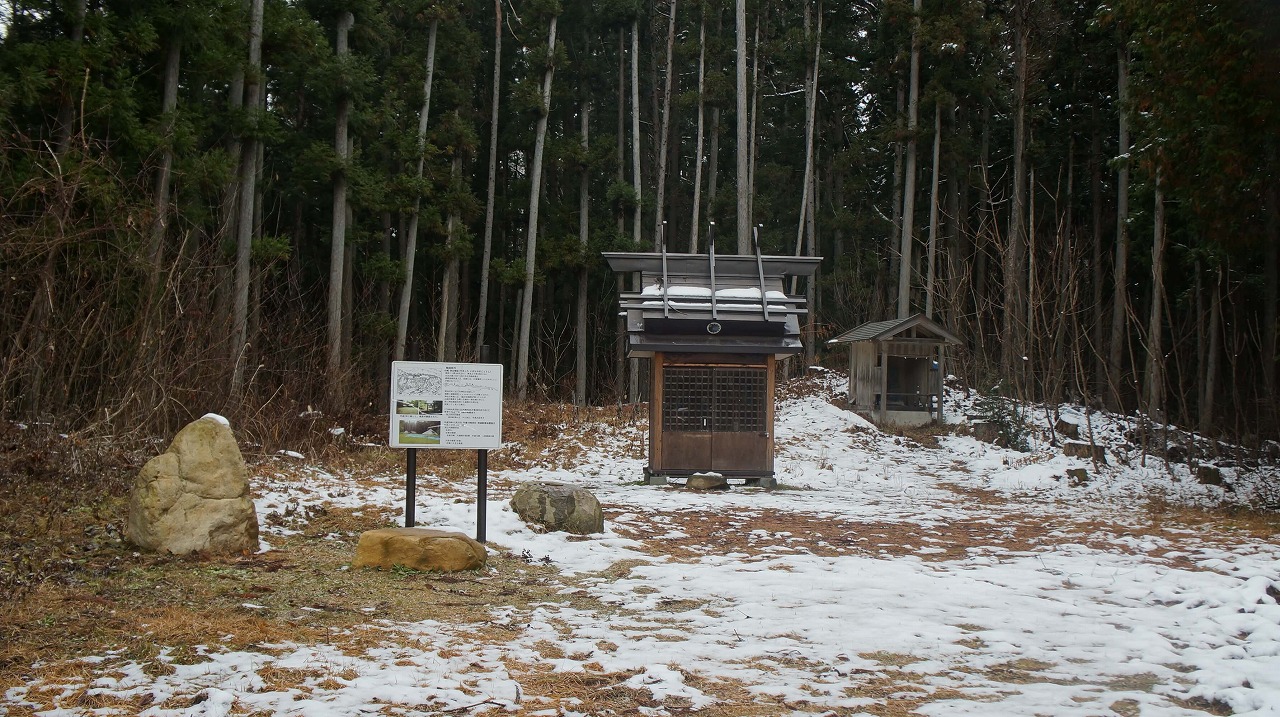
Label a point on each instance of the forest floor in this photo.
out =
(919, 574)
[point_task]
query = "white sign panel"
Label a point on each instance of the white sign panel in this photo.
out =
(446, 405)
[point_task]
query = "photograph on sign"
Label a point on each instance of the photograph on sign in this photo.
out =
(445, 405)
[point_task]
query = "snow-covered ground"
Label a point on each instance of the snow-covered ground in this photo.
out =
(975, 579)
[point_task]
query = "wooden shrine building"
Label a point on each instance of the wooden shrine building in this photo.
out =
(896, 369)
(714, 328)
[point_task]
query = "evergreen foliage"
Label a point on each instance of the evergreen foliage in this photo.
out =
(1007, 416)
(102, 314)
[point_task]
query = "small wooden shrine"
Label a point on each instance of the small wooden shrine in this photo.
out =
(896, 369)
(714, 328)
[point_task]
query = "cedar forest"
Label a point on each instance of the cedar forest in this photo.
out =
(253, 206)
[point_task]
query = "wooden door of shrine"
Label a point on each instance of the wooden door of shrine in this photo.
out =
(715, 418)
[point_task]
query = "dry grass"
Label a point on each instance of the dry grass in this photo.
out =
(74, 589)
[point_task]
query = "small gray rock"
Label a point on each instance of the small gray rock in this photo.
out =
(559, 506)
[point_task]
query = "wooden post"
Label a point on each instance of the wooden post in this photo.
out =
(884, 384)
(657, 367)
(411, 485)
(942, 377)
(771, 367)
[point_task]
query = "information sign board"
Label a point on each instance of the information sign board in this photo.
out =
(446, 405)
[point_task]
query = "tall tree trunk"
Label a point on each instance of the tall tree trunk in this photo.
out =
(160, 222)
(620, 327)
(697, 155)
(664, 134)
(744, 221)
(490, 198)
(584, 207)
(958, 238)
(257, 274)
(753, 145)
(385, 348)
(333, 364)
(411, 240)
(933, 209)
(348, 288)
(447, 343)
(1202, 334)
(909, 184)
(535, 188)
(66, 107)
(1272, 208)
(713, 165)
(811, 283)
(1120, 274)
(635, 129)
(248, 181)
(899, 152)
(1095, 195)
(986, 224)
(1155, 324)
(229, 209)
(810, 114)
(1015, 254)
(1210, 380)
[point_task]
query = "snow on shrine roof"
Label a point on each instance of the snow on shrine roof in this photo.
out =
(885, 330)
(749, 293)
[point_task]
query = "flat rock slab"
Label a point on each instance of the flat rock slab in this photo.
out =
(419, 549)
(706, 481)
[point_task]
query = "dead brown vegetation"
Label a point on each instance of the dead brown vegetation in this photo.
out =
(75, 589)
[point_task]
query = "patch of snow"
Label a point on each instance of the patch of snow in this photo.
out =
(1013, 591)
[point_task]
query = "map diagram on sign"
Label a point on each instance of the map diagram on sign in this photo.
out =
(414, 383)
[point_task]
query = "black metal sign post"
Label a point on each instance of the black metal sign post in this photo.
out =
(482, 472)
(411, 485)
(482, 492)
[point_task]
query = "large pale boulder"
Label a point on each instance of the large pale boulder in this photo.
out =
(558, 506)
(195, 496)
(419, 549)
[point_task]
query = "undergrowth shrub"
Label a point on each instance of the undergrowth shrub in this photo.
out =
(1006, 414)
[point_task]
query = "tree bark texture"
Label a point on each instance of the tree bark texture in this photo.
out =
(244, 222)
(1120, 273)
(490, 195)
(531, 246)
(907, 238)
(411, 238)
(334, 365)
